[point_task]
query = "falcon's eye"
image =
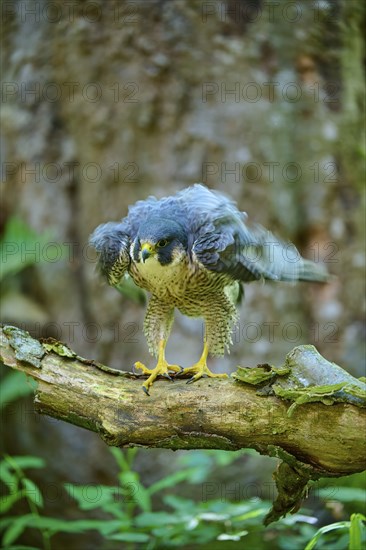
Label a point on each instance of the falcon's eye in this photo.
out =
(162, 243)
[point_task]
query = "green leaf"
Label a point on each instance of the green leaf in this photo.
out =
(154, 519)
(92, 496)
(120, 459)
(251, 514)
(8, 477)
(118, 511)
(32, 492)
(110, 499)
(171, 480)
(134, 490)
(55, 525)
(142, 498)
(326, 529)
(16, 528)
(20, 247)
(107, 527)
(356, 530)
(14, 385)
(25, 462)
(131, 455)
(128, 477)
(105, 497)
(4, 522)
(171, 533)
(180, 504)
(7, 501)
(130, 537)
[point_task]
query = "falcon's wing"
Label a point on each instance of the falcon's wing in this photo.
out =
(224, 242)
(112, 240)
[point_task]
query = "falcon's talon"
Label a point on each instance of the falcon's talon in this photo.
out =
(179, 374)
(191, 380)
(201, 369)
(202, 373)
(175, 368)
(162, 369)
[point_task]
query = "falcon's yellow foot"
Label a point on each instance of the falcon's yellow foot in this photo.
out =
(162, 369)
(200, 369)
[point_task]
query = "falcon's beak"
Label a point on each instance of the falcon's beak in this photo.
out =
(147, 250)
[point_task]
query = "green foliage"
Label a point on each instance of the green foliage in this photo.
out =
(357, 538)
(132, 517)
(184, 521)
(19, 487)
(15, 385)
(16, 245)
(20, 247)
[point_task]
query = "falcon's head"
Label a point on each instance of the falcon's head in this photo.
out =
(160, 239)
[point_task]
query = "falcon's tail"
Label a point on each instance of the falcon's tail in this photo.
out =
(306, 270)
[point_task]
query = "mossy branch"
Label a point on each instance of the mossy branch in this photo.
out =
(310, 413)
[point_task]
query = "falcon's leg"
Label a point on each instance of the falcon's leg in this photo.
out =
(162, 368)
(200, 368)
(157, 326)
(219, 317)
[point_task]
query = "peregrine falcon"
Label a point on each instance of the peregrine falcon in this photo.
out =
(192, 251)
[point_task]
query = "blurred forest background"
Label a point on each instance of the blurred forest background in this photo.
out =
(105, 103)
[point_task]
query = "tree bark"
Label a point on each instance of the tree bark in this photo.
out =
(316, 440)
(210, 414)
